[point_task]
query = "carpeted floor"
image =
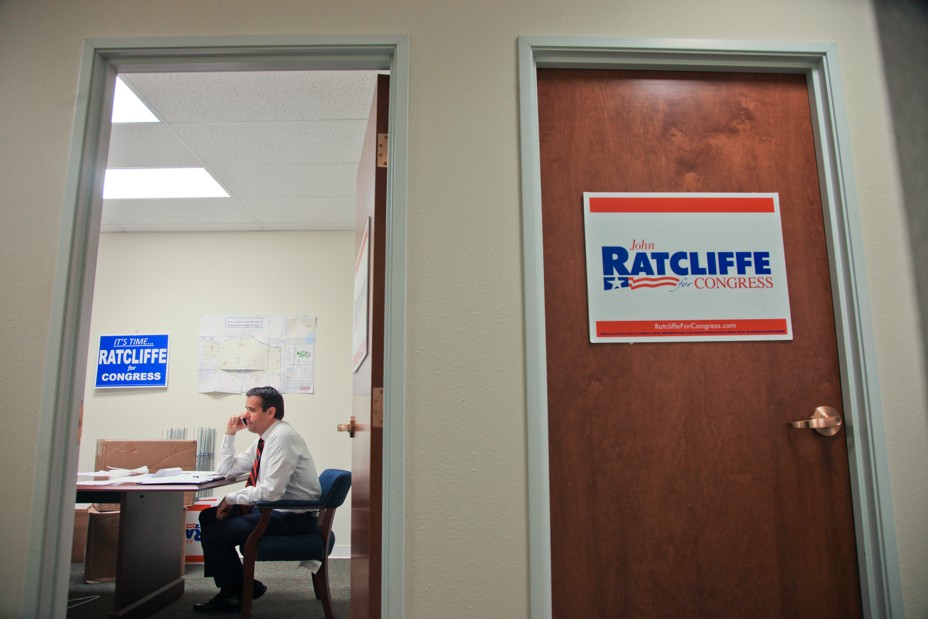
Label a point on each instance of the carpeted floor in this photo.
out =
(289, 593)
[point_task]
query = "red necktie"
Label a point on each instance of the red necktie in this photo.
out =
(253, 476)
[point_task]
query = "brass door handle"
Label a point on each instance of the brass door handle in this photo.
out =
(825, 420)
(349, 427)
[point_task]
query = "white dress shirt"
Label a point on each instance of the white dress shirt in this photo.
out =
(287, 470)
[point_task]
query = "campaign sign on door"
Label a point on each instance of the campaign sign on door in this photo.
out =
(685, 267)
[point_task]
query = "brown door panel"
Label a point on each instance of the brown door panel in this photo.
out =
(678, 489)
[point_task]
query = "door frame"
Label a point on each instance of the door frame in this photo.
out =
(881, 587)
(47, 577)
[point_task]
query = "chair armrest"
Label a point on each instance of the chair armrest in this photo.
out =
(289, 504)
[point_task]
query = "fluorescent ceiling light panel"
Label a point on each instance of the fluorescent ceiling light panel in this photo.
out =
(138, 183)
(128, 108)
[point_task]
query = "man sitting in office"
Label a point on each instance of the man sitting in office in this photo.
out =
(280, 467)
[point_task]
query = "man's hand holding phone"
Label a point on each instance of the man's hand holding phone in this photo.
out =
(235, 423)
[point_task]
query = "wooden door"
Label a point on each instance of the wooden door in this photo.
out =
(367, 444)
(677, 487)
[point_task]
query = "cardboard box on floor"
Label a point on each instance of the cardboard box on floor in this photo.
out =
(79, 542)
(102, 539)
(103, 519)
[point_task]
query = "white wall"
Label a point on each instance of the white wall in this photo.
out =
(164, 283)
(466, 517)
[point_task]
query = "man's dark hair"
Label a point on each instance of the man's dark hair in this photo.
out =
(269, 397)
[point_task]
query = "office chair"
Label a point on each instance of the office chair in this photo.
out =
(309, 546)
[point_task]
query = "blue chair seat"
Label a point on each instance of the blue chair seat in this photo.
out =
(294, 547)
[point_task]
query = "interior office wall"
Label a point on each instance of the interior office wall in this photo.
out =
(165, 283)
(466, 516)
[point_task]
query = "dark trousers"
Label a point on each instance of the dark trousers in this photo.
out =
(219, 539)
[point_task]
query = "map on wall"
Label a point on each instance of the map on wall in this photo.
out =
(241, 352)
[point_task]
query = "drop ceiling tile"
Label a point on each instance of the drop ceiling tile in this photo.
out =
(177, 211)
(332, 141)
(149, 146)
(285, 181)
(339, 210)
(250, 96)
(209, 227)
(277, 142)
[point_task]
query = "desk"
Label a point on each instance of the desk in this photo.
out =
(150, 552)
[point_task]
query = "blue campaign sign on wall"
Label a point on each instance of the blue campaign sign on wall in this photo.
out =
(132, 361)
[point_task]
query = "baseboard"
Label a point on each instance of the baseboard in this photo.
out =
(341, 552)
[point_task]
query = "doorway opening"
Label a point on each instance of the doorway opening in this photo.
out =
(103, 60)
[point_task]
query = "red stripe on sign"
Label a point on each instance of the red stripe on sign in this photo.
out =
(690, 328)
(681, 204)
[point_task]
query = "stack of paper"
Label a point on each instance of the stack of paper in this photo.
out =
(112, 475)
(177, 476)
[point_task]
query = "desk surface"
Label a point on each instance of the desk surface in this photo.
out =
(96, 493)
(131, 486)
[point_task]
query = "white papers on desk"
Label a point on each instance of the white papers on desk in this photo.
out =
(108, 482)
(141, 475)
(176, 476)
(111, 476)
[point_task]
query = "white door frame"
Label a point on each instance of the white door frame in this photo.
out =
(47, 574)
(881, 587)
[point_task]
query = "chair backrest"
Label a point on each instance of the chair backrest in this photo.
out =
(335, 486)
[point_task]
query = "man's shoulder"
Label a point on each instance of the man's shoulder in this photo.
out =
(283, 429)
(284, 426)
